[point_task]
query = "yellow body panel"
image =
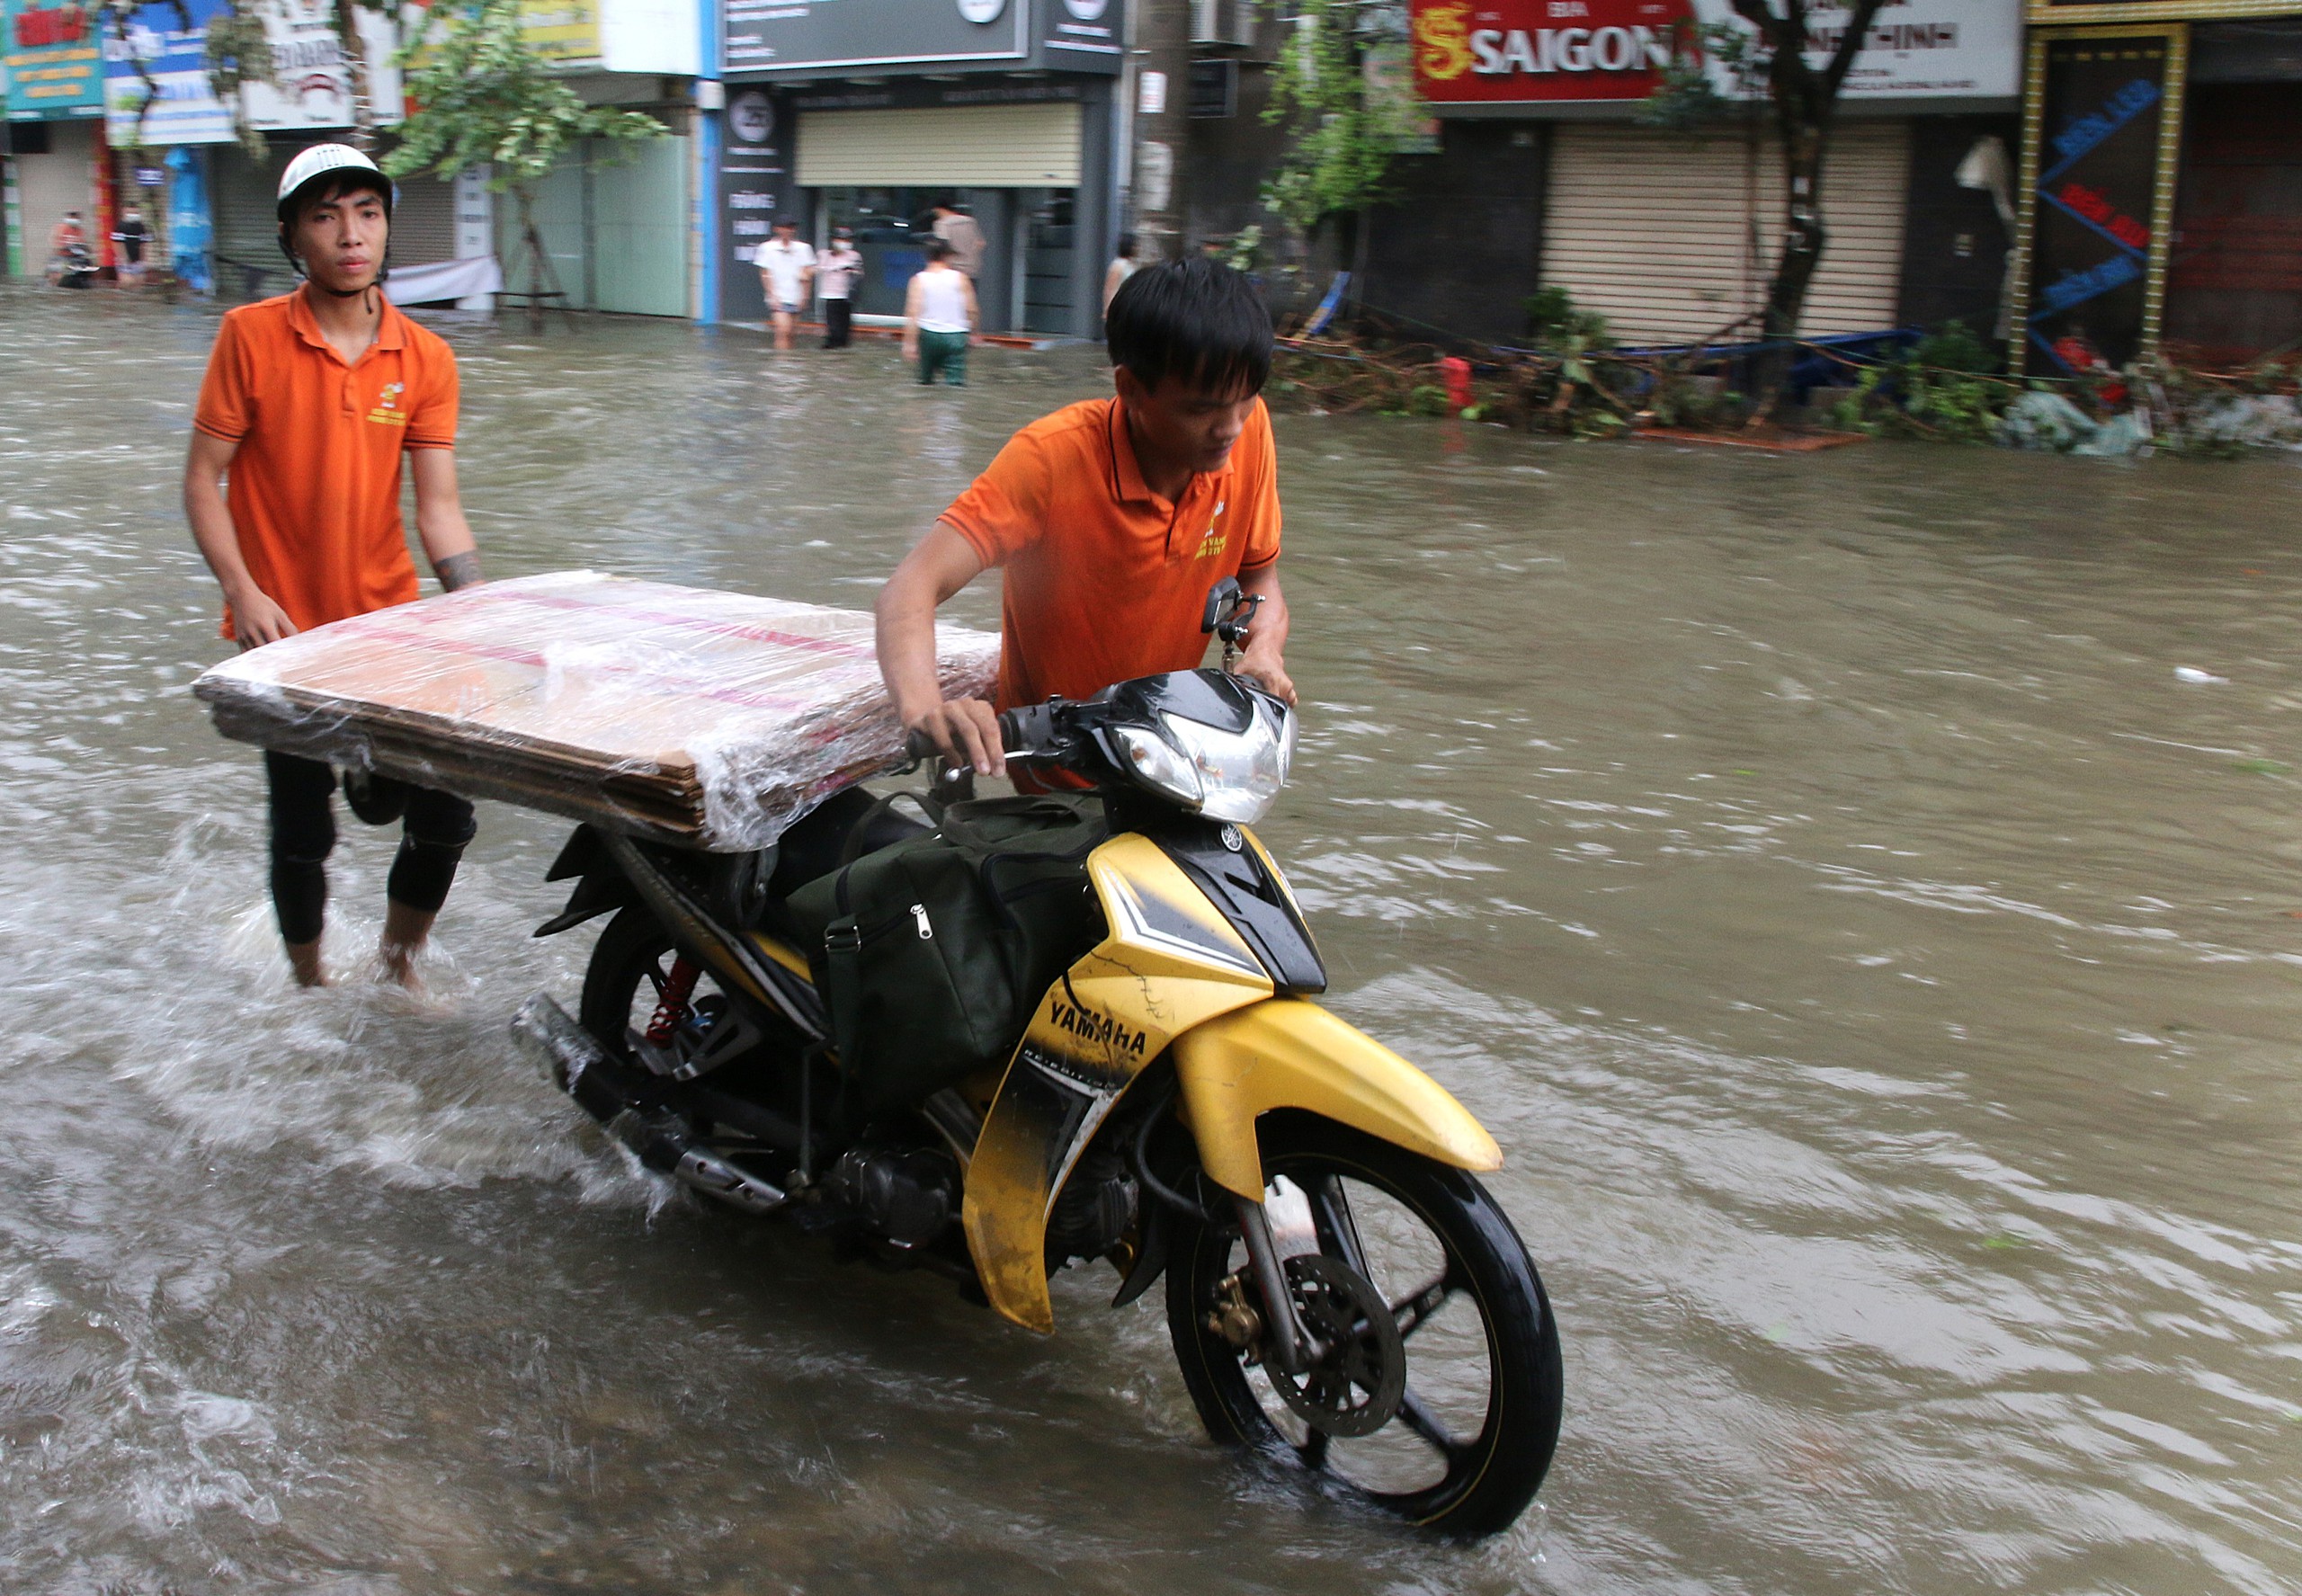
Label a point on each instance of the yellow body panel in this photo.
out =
(783, 956)
(1289, 1054)
(1170, 962)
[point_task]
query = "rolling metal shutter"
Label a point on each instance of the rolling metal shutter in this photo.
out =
(980, 146)
(1671, 237)
(423, 221)
(247, 203)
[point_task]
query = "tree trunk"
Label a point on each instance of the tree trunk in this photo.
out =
(356, 81)
(1804, 97)
(1163, 137)
(1804, 235)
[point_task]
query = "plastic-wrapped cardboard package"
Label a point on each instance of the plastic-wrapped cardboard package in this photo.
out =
(708, 719)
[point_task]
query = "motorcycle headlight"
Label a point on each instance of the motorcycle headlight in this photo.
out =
(1238, 775)
(1158, 766)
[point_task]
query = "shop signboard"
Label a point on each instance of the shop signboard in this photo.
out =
(2097, 195)
(754, 185)
(156, 92)
(56, 69)
(570, 35)
(1472, 53)
(564, 32)
(659, 36)
(311, 79)
(1507, 52)
(776, 35)
(1079, 31)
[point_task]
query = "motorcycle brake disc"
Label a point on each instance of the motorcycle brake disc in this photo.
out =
(1356, 1387)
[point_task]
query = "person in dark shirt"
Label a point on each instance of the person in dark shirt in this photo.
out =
(130, 236)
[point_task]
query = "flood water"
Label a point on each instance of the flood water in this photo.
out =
(1880, 968)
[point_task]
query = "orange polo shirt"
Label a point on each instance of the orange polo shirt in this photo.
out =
(1104, 579)
(315, 487)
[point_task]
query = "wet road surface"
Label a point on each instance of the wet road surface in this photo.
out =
(1878, 965)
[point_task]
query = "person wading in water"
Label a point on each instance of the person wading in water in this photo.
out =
(310, 401)
(1111, 518)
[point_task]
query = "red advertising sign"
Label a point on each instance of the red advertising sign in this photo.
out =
(1469, 52)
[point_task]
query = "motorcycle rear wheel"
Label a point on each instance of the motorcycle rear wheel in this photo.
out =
(1464, 1292)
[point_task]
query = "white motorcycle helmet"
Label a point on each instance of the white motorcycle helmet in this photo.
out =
(329, 161)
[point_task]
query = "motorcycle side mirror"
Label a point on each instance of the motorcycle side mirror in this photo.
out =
(1229, 614)
(1222, 604)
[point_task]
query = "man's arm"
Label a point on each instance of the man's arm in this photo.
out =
(913, 297)
(974, 321)
(257, 619)
(965, 729)
(440, 521)
(1264, 657)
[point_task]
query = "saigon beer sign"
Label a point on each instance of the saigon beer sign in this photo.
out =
(1503, 52)
(1471, 54)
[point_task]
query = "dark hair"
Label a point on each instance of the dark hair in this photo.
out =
(1126, 246)
(786, 220)
(938, 249)
(1196, 320)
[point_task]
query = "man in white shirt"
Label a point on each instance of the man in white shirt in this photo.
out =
(837, 269)
(786, 268)
(938, 317)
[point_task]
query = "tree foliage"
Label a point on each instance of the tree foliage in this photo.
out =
(1343, 129)
(485, 97)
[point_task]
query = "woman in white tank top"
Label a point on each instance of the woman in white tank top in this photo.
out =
(938, 316)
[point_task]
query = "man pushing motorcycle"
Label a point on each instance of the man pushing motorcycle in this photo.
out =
(1111, 518)
(312, 402)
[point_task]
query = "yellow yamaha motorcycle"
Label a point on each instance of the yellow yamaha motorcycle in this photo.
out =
(1343, 1296)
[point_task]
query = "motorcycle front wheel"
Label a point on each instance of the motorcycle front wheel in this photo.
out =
(1472, 1430)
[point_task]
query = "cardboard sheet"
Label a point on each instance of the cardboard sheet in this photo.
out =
(712, 720)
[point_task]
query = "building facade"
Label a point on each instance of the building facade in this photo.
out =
(1673, 235)
(2161, 183)
(836, 116)
(56, 158)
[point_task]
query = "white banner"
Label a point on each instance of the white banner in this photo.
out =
(429, 284)
(1918, 50)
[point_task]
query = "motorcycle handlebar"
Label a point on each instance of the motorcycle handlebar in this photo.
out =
(1013, 738)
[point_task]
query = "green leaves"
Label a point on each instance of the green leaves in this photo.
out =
(1345, 124)
(483, 96)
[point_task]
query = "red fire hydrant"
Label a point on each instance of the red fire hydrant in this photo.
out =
(1458, 373)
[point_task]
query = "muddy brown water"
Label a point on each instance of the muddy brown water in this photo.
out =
(1880, 966)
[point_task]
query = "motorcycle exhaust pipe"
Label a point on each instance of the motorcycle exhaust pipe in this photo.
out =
(657, 1136)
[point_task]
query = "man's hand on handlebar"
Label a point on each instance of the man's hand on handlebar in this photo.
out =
(967, 731)
(1265, 666)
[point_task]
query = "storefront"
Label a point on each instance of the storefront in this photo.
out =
(615, 222)
(2162, 183)
(1673, 236)
(1002, 108)
(57, 159)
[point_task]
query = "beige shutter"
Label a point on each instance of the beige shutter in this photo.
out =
(1670, 237)
(423, 221)
(981, 147)
(246, 208)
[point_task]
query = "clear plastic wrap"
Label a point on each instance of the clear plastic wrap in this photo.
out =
(708, 719)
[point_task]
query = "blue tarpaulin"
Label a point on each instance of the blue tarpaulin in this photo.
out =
(191, 228)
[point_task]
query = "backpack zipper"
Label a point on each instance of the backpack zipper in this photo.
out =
(926, 931)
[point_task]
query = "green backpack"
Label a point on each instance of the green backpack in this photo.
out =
(933, 953)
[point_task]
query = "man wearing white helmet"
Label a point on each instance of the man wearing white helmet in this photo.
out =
(310, 403)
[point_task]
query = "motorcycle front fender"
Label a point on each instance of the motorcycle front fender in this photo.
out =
(1285, 1053)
